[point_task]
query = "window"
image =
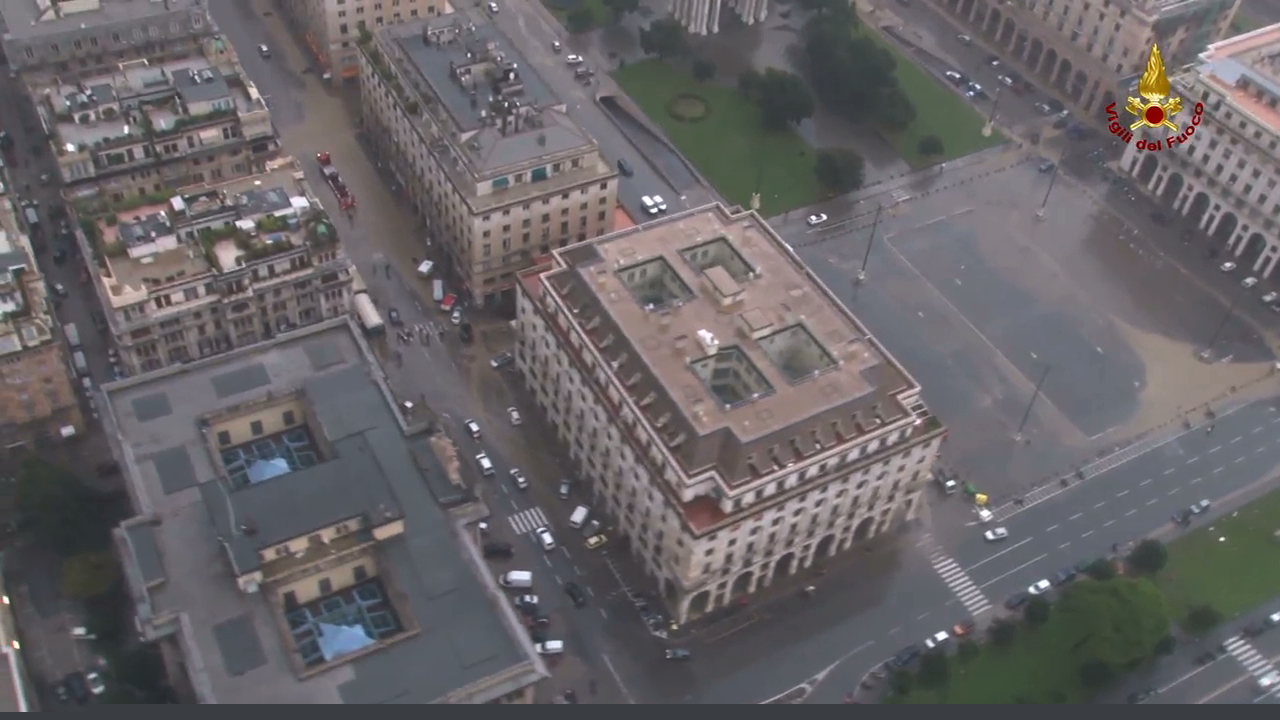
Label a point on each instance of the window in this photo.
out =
(288, 417)
(359, 573)
(326, 586)
(255, 427)
(224, 437)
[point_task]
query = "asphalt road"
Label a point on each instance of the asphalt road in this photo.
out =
(837, 643)
(1125, 504)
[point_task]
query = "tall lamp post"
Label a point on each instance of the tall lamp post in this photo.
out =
(991, 119)
(875, 224)
(1034, 396)
(1213, 340)
(1053, 176)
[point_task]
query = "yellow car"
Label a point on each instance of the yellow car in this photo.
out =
(596, 541)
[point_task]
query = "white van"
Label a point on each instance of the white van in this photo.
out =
(579, 517)
(650, 206)
(437, 290)
(521, 579)
(73, 335)
(486, 465)
(550, 647)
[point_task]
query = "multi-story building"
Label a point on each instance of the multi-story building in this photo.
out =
(217, 267)
(1092, 50)
(735, 420)
(702, 17)
(1224, 176)
(38, 402)
(70, 37)
(331, 28)
(287, 548)
(148, 127)
(491, 160)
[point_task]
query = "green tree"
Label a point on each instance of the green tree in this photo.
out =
(1096, 674)
(934, 669)
(901, 682)
(1002, 632)
(839, 170)
(839, 11)
(967, 650)
(89, 575)
(1101, 569)
(665, 38)
(64, 513)
(1149, 556)
(140, 670)
(621, 8)
(1165, 646)
(853, 76)
(703, 70)
(580, 20)
(748, 81)
(1115, 622)
(930, 146)
(782, 97)
(1037, 611)
(1202, 618)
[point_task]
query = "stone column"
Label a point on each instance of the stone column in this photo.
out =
(1238, 239)
(1182, 203)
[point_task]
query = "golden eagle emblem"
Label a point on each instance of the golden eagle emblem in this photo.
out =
(1154, 89)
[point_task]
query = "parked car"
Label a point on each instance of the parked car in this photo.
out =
(498, 550)
(677, 654)
(937, 640)
(596, 541)
(97, 685)
(514, 415)
(501, 360)
(816, 219)
(1248, 282)
(996, 534)
(1039, 587)
(393, 317)
(472, 428)
(565, 486)
(264, 51)
(1017, 600)
(1200, 507)
(573, 59)
(905, 656)
(576, 594)
(1227, 266)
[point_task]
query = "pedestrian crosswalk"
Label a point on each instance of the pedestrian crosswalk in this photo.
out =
(1253, 661)
(959, 582)
(526, 521)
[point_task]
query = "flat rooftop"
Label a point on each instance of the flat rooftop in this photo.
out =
(34, 18)
(1246, 70)
(237, 655)
(714, 311)
(469, 41)
(155, 252)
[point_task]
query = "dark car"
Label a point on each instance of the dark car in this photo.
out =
(905, 656)
(1046, 167)
(77, 687)
(1253, 630)
(498, 550)
(678, 654)
(1206, 657)
(576, 594)
(59, 256)
(537, 619)
(1137, 697)
(1017, 600)
(465, 333)
(537, 634)
(624, 167)
(1182, 517)
(1064, 576)
(393, 317)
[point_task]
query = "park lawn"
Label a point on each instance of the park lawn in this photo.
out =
(729, 146)
(1027, 671)
(1243, 22)
(939, 111)
(1234, 575)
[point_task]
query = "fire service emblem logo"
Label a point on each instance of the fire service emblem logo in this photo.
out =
(1154, 109)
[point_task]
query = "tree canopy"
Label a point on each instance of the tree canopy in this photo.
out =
(64, 513)
(1149, 556)
(89, 575)
(839, 170)
(703, 70)
(665, 37)
(579, 20)
(782, 97)
(930, 146)
(1117, 623)
(852, 75)
(620, 8)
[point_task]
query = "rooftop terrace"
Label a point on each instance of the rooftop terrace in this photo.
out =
(1246, 69)
(710, 316)
(210, 229)
(242, 650)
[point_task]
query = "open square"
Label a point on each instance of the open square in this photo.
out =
(727, 143)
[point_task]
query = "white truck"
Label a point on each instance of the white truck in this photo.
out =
(73, 335)
(77, 359)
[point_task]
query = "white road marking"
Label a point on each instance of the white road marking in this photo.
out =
(1086, 534)
(1173, 491)
(1152, 502)
(1191, 460)
(1032, 561)
(1063, 545)
(1166, 472)
(1052, 527)
(1144, 482)
(922, 616)
(1011, 548)
(1215, 449)
(1239, 459)
(546, 559)
(1196, 480)
(1130, 513)
(1104, 502)
(558, 580)
(1255, 431)
(1108, 523)
(1122, 493)
(1236, 439)
(602, 613)
(1219, 469)
(1077, 515)
(625, 693)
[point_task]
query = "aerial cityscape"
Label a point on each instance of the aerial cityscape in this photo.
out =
(639, 352)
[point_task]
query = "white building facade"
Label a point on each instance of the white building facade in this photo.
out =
(707, 536)
(1224, 177)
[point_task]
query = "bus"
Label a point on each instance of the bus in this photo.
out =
(368, 315)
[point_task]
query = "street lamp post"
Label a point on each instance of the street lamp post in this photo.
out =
(1213, 340)
(755, 196)
(862, 271)
(991, 119)
(1053, 176)
(1034, 396)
